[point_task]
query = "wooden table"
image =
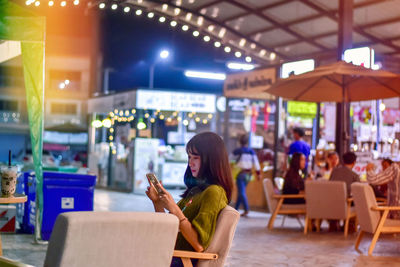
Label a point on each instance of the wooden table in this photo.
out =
(11, 200)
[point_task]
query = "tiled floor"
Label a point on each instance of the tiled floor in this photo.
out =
(253, 244)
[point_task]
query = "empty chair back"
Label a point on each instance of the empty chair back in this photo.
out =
(364, 200)
(104, 239)
(326, 199)
(269, 192)
(223, 236)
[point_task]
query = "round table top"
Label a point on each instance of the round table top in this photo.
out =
(17, 198)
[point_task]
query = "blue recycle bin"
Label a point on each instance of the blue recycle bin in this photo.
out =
(62, 192)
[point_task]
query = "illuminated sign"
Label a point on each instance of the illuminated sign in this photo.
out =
(163, 100)
(303, 109)
(297, 67)
(362, 56)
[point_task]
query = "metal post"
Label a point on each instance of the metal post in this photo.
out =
(226, 124)
(276, 134)
(345, 41)
(151, 75)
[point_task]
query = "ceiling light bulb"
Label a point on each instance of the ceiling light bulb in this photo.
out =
(51, 3)
(196, 33)
(161, 19)
(227, 49)
(127, 9)
(114, 6)
(63, 3)
(217, 44)
(138, 12)
(76, 2)
(173, 23)
(185, 27)
(206, 38)
(150, 15)
(248, 59)
(238, 54)
(102, 5)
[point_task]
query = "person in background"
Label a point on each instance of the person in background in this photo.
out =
(332, 161)
(209, 187)
(390, 176)
(300, 146)
(294, 179)
(381, 190)
(345, 172)
(246, 159)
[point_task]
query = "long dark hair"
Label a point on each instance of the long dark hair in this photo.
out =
(214, 161)
(295, 162)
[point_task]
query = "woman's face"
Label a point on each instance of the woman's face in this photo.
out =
(302, 162)
(333, 160)
(194, 164)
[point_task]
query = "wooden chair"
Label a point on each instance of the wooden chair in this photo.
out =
(327, 200)
(104, 239)
(372, 218)
(216, 253)
(276, 206)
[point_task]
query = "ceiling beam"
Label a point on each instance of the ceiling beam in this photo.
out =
(277, 24)
(283, 2)
(356, 28)
(198, 9)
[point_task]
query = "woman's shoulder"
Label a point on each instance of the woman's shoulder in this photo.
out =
(214, 191)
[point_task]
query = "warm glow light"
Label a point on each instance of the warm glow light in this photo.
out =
(238, 54)
(185, 27)
(196, 33)
(37, 3)
(102, 5)
(164, 54)
(139, 12)
(382, 107)
(206, 38)
(127, 9)
(51, 3)
(66, 81)
(253, 46)
(173, 23)
(188, 16)
(61, 86)
(141, 125)
(177, 11)
(150, 15)
(63, 3)
(161, 19)
(217, 44)
(210, 28)
(185, 122)
(164, 7)
(248, 59)
(262, 52)
(200, 21)
(227, 49)
(76, 2)
(97, 124)
(221, 33)
(272, 56)
(242, 42)
(114, 6)
(239, 66)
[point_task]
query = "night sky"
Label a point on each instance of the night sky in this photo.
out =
(130, 43)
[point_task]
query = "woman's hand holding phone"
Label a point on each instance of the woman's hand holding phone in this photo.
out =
(168, 201)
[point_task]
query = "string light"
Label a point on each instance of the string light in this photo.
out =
(76, 2)
(227, 49)
(196, 33)
(138, 12)
(185, 27)
(206, 38)
(173, 23)
(114, 6)
(197, 119)
(51, 3)
(152, 120)
(127, 9)
(217, 44)
(161, 19)
(63, 3)
(238, 54)
(248, 59)
(150, 15)
(162, 117)
(37, 3)
(102, 5)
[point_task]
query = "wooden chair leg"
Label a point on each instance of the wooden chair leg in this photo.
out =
(283, 220)
(273, 216)
(378, 232)
(346, 226)
(358, 240)
(187, 262)
(306, 222)
(318, 225)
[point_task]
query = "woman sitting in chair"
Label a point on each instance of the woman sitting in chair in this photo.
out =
(209, 186)
(294, 182)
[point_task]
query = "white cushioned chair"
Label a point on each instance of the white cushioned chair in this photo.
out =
(372, 218)
(216, 253)
(104, 239)
(327, 200)
(276, 206)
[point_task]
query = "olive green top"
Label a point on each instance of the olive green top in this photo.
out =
(202, 211)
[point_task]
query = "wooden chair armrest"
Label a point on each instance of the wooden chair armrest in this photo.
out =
(383, 208)
(350, 200)
(289, 196)
(7, 262)
(195, 255)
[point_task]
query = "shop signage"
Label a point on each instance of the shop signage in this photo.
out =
(250, 84)
(297, 67)
(302, 109)
(362, 56)
(175, 101)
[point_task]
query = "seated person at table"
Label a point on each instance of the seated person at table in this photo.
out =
(209, 187)
(391, 177)
(332, 161)
(381, 190)
(294, 179)
(344, 172)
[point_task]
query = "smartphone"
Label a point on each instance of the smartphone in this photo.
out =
(154, 181)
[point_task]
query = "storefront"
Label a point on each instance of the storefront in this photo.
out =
(143, 131)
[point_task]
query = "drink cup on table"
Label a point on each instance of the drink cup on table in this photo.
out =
(9, 175)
